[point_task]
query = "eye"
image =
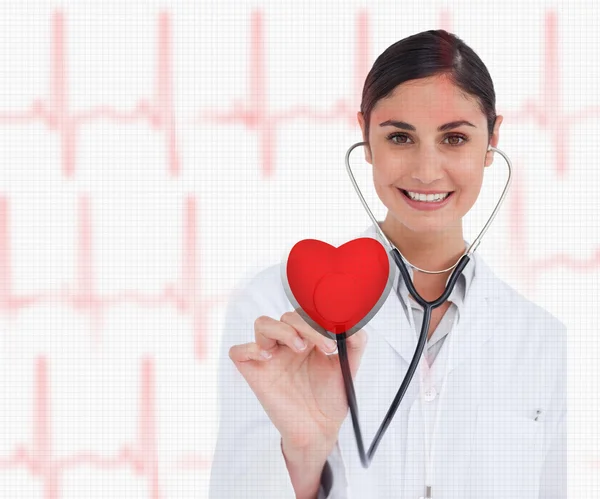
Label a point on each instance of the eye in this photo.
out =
(392, 136)
(464, 139)
(456, 136)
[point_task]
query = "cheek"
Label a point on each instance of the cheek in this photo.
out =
(378, 176)
(383, 174)
(470, 185)
(385, 194)
(473, 179)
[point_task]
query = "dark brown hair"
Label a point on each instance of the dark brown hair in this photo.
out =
(429, 53)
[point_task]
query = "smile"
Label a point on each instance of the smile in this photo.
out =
(425, 205)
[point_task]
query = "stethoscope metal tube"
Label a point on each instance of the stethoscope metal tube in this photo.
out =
(473, 245)
(399, 260)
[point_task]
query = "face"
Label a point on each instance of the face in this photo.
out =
(417, 156)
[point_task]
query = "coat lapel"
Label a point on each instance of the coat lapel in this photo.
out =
(473, 328)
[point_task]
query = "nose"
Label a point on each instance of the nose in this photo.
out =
(428, 167)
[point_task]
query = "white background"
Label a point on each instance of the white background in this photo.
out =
(103, 389)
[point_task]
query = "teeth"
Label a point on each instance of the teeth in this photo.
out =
(428, 197)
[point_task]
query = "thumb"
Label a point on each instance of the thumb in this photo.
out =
(355, 346)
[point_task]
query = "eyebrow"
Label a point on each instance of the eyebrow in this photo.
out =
(407, 126)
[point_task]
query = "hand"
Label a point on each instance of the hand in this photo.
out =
(301, 390)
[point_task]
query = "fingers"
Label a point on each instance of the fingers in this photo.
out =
(248, 351)
(291, 331)
(269, 332)
(357, 341)
(327, 345)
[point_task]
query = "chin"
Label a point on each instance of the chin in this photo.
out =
(426, 222)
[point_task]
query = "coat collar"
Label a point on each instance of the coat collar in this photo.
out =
(457, 295)
(392, 324)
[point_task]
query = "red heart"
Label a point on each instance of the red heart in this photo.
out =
(338, 287)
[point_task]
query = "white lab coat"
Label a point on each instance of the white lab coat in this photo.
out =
(508, 361)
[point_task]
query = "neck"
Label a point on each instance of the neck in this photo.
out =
(434, 250)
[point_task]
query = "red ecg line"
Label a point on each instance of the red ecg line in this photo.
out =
(185, 296)
(140, 456)
(254, 113)
(57, 115)
(547, 112)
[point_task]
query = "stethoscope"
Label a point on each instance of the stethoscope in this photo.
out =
(428, 306)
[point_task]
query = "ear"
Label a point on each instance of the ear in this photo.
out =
(366, 147)
(489, 155)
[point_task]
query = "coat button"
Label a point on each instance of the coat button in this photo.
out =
(429, 394)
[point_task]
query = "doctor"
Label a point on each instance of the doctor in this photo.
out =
(487, 417)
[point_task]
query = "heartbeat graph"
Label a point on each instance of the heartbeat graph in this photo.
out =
(56, 114)
(547, 112)
(140, 456)
(533, 268)
(38, 458)
(252, 111)
(184, 296)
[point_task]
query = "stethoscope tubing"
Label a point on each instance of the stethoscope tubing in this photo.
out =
(474, 245)
(399, 260)
(367, 457)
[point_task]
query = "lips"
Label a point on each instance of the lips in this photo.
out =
(405, 192)
(423, 205)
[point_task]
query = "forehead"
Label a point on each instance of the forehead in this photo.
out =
(434, 98)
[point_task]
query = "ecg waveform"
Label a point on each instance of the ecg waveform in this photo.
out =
(140, 456)
(184, 296)
(547, 111)
(253, 112)
(55, 111)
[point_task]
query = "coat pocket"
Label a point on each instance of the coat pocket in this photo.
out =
(507, 454)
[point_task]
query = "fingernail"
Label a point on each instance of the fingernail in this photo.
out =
(330, 344)
(265, 354)
(299, 344)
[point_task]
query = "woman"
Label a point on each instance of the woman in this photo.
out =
(498, 393)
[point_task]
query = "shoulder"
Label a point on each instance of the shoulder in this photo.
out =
(253, 296)
(519, 312)
(261, 293)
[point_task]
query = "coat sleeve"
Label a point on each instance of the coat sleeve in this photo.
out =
(247, 461)
(553, 480)
(334, 484)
